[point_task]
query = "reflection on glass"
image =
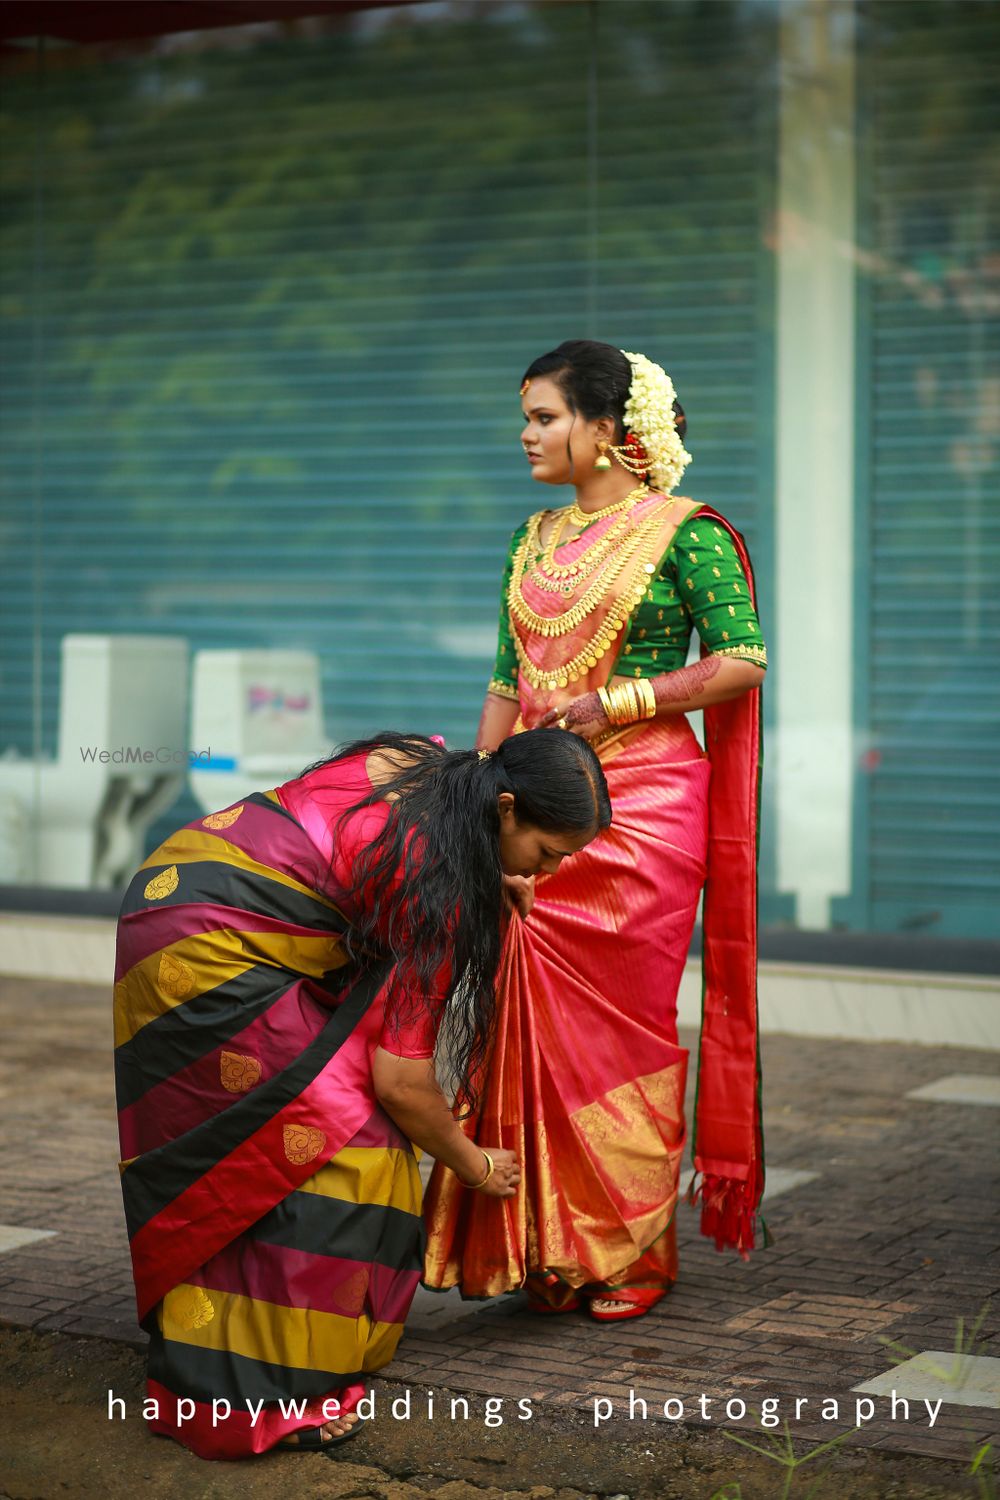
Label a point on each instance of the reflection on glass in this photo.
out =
(267, 293)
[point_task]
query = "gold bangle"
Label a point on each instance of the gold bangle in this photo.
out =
(618, 706)
(605, 699)
(491, 1167)
(644, 688)
(626, 704)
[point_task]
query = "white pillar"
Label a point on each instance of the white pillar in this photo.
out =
(815, 453)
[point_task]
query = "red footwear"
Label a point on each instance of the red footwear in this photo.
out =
(630, 1302)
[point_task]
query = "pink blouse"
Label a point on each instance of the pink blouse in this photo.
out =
(318, 800)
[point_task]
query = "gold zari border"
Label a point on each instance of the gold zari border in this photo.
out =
(756, 654)
(502, 689)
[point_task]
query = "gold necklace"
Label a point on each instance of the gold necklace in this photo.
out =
(601, 642)
(603, 543)
(584, 517)
(597, 567)
(586, 562)
(557, 625)
(562, 578)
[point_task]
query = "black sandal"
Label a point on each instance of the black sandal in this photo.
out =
(311, 1438)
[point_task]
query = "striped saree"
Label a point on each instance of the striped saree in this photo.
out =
(273, 1209)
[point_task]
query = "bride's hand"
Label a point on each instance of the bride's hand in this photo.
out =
(585, 716)
(519, 892)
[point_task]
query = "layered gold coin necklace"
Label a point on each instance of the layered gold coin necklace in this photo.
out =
(561, 578)
(599, 567)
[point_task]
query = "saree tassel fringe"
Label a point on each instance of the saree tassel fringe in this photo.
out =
(729, 1210)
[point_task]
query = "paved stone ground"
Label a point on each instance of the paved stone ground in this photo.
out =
(890, 1243)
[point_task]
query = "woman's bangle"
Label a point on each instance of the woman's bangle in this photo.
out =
(491, 1167)
(616, 707)
(628, 702)
(624, 704)
(633, 712)
(644, 688)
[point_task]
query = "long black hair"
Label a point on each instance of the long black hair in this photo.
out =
(442, 836)
(594, 379)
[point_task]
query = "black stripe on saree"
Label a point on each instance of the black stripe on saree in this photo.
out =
(361, 1231)
(188, 1032)
(214, 882)
(210, 1374)
(154, 1180)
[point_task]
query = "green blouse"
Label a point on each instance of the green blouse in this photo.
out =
(700, 584)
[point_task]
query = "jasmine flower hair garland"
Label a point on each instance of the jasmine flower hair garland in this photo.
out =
(649, 416)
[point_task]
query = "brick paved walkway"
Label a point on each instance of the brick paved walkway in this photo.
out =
(891, 1240)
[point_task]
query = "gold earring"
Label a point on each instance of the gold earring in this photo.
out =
(602, 461)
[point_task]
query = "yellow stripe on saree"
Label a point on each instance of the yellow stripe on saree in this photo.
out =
(189, 846)
(383, 1175)
(296, 1337)
(163, 980)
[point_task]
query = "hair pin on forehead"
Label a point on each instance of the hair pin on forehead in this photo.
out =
(524, 387)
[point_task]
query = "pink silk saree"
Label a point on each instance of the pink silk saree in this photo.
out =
(586, 1080)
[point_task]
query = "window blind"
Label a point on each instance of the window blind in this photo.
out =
(267, 299)
(929, 383)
